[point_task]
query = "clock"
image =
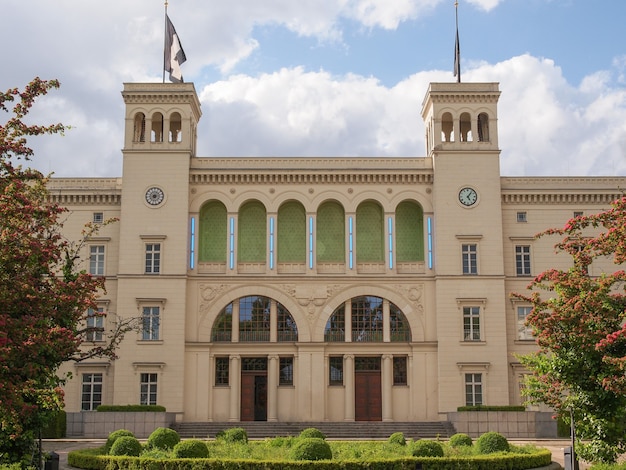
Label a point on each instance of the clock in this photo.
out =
(468, 196)
(154, 196)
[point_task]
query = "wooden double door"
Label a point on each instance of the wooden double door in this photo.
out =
(254, 389)
(367, 389)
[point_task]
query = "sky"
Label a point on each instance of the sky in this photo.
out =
(327, 78)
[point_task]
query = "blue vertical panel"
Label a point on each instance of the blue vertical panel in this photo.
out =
(231, 238)
(350, 243)
(192, 243)
(429, 224)
(310, 242)
(271, 242)
(390, 235)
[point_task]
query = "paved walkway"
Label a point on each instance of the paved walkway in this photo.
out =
(63, 446)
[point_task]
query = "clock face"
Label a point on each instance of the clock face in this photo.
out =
(468, 196)
(154, 196)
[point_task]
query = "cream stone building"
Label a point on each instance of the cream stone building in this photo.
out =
(316, 289)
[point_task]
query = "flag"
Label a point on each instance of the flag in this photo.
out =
(174, 55)
(457, 58)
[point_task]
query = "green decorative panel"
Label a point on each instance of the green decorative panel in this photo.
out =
(331, 233)
(370, 240)
(251, 247)
(409, 232)
(291, 233)
(213, 233)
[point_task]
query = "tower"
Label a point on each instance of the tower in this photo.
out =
(462, 140)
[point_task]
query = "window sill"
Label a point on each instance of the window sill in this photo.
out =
(149, 341)
(474, 343)
(525, 341)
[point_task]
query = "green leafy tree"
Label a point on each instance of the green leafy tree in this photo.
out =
(579, 323)
(44, 297)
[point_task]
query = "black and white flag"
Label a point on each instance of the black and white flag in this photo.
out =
(174, 54)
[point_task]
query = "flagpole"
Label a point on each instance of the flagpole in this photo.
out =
(164, 40)
(457, 46)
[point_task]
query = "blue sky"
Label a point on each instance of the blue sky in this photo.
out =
(330, 77)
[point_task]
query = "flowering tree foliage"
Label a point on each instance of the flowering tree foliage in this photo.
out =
(43, 297)
(579, 324)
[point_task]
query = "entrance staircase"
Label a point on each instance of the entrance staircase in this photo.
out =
(359, 430)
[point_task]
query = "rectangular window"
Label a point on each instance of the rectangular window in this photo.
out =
(473, 389)
(521, 217)
(286, 371)
(151, 322)
(153, 258)
(335, 376)
(221, 370)
(399, 370)
(523, 332)
(91, 396)
(522, 260)
(578, 213)
(96, 260)
(471, 323)
(95, 324)
(98, 217)
(148, 387)
(470, 263)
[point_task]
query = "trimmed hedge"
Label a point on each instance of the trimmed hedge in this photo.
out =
(397, 438)
(133, 408)
(460, 440)
(426, 448)
(311, 448)
(114, 436)
(491, 442)
(126, 445)
(233, 435)
(191, 449)
(492, 408)
(312, 432)
(163, 438)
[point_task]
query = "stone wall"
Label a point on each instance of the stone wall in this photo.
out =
(512, 424)
(98, 425)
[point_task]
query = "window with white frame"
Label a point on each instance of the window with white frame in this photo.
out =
(91, 391)
(335, 370)
(471, 323)
(286, 370)
(222, 370)
(98, 217)
(521, 217)
(95, 324)
(522, 260)
(469, 253)
(524, 332)
(148, 388)
(400, 374)
(96, 260)
(153, 258)
(151, 322)
(473, 389)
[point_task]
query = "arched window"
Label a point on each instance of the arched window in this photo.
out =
(447, 128)
(370, 238)
(251, 247)
(254, 320)
(157, 128)
(176, 126)
(213, 234)
(331, 233)
(409, 232)
(367, 318)
(291, 233)
(465, 130)
(139, 128)
(483, 127)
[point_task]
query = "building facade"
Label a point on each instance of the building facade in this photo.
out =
(316, 289)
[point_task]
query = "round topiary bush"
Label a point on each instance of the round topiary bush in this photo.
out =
(397, 438)
(163, 438)
(311, 448)
(426, 448)
(312, 432)
(126, 445)
(491, 442)
(191, 449)
(114, 436)
(233, 435)
(460, 440)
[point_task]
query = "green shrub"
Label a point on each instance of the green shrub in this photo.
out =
(233, 435)
(55, 428)
(163, 438)
(397, 438)
(114, 436)
(491, 442)
(126, 445)
(191, 449)
(311, 448)
(460, 440)
(426, 448)
(312, 432)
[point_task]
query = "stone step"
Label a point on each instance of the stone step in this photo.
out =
(332, 430)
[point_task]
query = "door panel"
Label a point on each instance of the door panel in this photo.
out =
(247, 397)
(367, 396)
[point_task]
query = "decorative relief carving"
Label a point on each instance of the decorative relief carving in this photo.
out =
(208, 293)
(415, 293)
(311, 297)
